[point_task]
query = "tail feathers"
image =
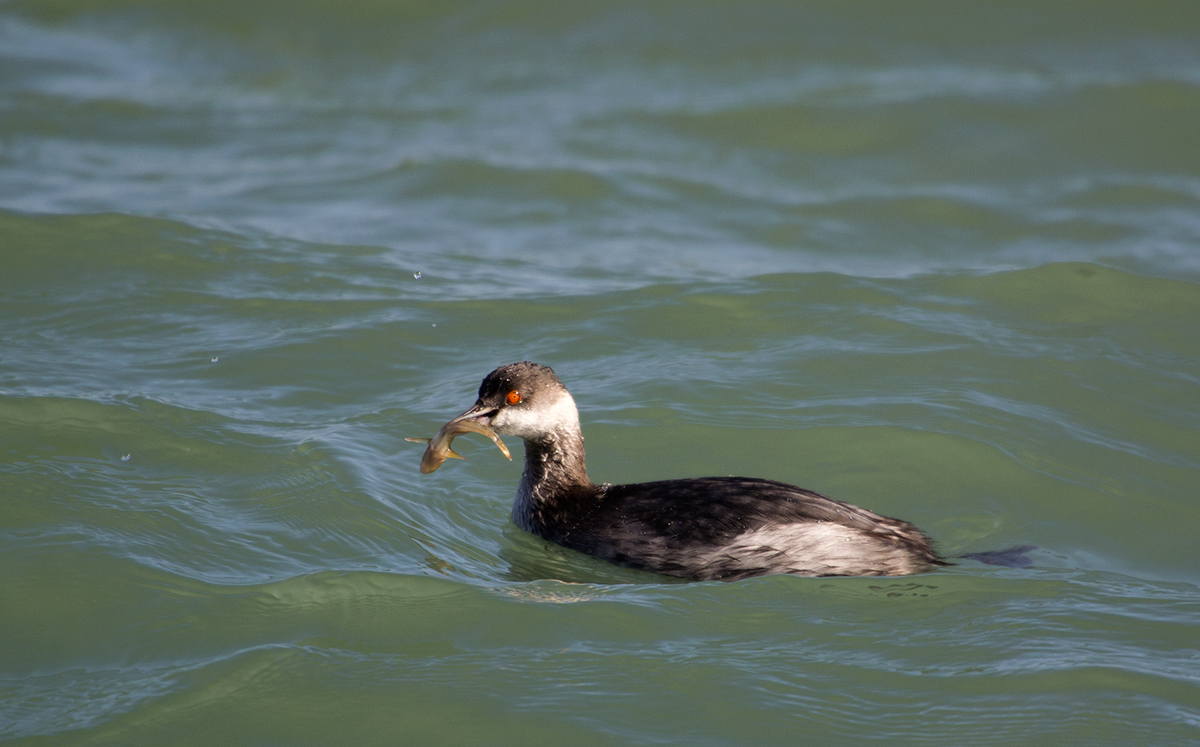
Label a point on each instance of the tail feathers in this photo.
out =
(1013, 557)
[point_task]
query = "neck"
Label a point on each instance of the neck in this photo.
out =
(554, 472)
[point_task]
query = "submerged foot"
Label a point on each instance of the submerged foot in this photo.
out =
(1013, 557)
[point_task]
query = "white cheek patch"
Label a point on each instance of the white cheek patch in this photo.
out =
(536, 421)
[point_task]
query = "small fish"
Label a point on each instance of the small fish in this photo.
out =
(439, 449)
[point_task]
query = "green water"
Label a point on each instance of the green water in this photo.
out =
(939, 260)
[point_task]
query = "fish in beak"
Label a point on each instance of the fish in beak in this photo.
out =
(475, 420)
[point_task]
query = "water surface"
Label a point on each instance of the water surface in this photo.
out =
(936, 260)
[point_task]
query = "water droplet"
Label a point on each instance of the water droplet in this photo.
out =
(417, 275)
(126, 457)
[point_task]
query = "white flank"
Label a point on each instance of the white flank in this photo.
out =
(817, 548)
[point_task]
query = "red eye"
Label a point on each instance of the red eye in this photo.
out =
(513, 398)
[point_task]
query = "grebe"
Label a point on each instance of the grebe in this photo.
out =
(708, 528)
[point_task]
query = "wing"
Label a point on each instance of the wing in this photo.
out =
(710, 509)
